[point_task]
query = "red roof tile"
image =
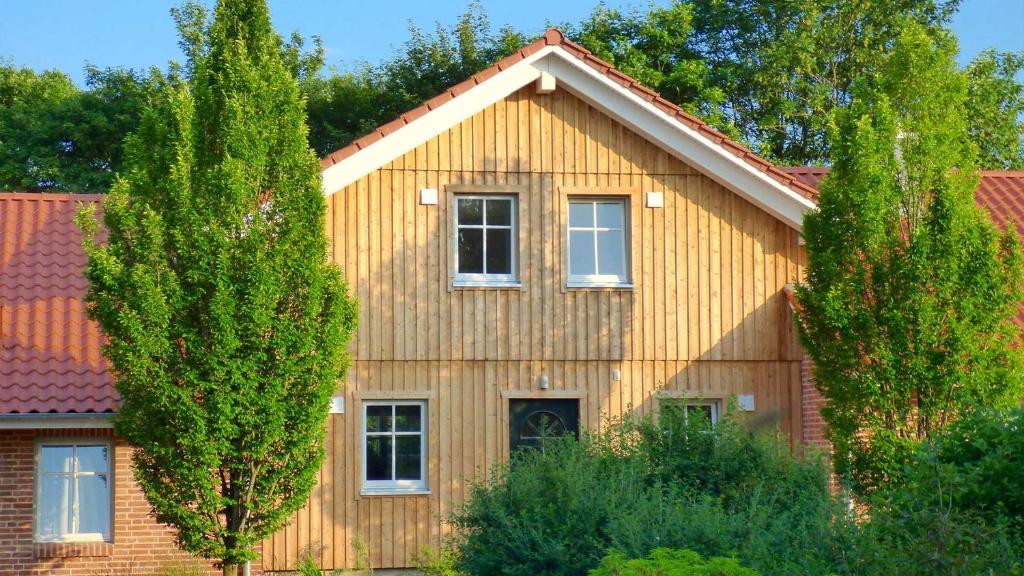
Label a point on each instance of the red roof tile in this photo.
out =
(554, 37)
(50, 359)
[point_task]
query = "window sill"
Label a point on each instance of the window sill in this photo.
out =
(73, 549)
(484, 284)
(580, 285)
(395, 492)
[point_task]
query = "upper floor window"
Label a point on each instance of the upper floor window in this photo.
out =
(394, 446)
(597, 243)
(485, 232)
(73, 489)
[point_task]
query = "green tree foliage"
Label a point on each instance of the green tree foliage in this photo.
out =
(669, 562)
(656, 48)
(226, 325)
(54, 136)
(349, 104)
(910, 294)
(995, 108)
(766, 71)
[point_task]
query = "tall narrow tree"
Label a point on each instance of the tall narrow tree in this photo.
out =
(226, 324)
(911, 291)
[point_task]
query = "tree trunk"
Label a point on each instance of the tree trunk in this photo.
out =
(237, 569)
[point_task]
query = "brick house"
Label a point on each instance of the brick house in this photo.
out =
(548, 237)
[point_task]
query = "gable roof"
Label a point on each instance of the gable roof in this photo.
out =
(50, 358)
(597, 82)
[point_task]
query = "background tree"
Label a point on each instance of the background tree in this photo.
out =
(768, 72)
(349, 104)
(54, 136)
(995, 107)
(226, 325)
(911, 291)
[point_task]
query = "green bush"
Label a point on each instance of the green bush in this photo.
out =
(642, 485)
(984, 455)
(957, 509)
(667, 562)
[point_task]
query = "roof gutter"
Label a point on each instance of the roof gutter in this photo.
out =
(55, 421)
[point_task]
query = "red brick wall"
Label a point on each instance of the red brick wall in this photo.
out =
(139, 546)
(811, 403)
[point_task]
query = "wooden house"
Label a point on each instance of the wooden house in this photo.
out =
(543, 246)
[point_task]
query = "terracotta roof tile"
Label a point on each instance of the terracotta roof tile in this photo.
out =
(554, 37)
(50, 359)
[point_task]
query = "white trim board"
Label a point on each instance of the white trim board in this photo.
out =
(602, 92)
(432, 123)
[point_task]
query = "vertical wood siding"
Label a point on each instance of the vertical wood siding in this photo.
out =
(706, 315)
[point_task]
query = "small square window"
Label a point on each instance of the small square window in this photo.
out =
(689, 408)
(394, 446)
(597, 243)
(73, 492)
(485, 240)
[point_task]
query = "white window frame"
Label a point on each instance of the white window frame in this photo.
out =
(74, 475)
(502, 280)
(371, 487)
(688, 402)
(598, 280)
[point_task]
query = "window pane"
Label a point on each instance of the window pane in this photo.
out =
(581, 214)
(378, 418)
(612, 260)
(702, 411)
(471, 251)
(56, 459)
(471, 211)
(378, 457)
(407, 418)
(54, 506)
(499, 251)
(609, 215)
(499, 212)
(407, 464)
(92, 459)
(581, 253)
(93, 504)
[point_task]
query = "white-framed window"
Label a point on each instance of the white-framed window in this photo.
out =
(74, 485)
(690, 407)
(394, 446)
(597, 254)
(485, 240)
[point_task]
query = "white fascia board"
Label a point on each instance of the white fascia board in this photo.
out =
(677, 138)
(432, 123)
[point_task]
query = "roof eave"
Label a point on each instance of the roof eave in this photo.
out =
(56, 421)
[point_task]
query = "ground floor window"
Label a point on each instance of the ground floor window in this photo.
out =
(687, 408)
(73, 491)
(394, 446)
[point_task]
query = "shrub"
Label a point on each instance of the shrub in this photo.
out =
(433, 563)
(957, 509)
(984, 455)
(642, 485)
(667, 562)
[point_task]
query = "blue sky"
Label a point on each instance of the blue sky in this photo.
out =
(66, 34)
